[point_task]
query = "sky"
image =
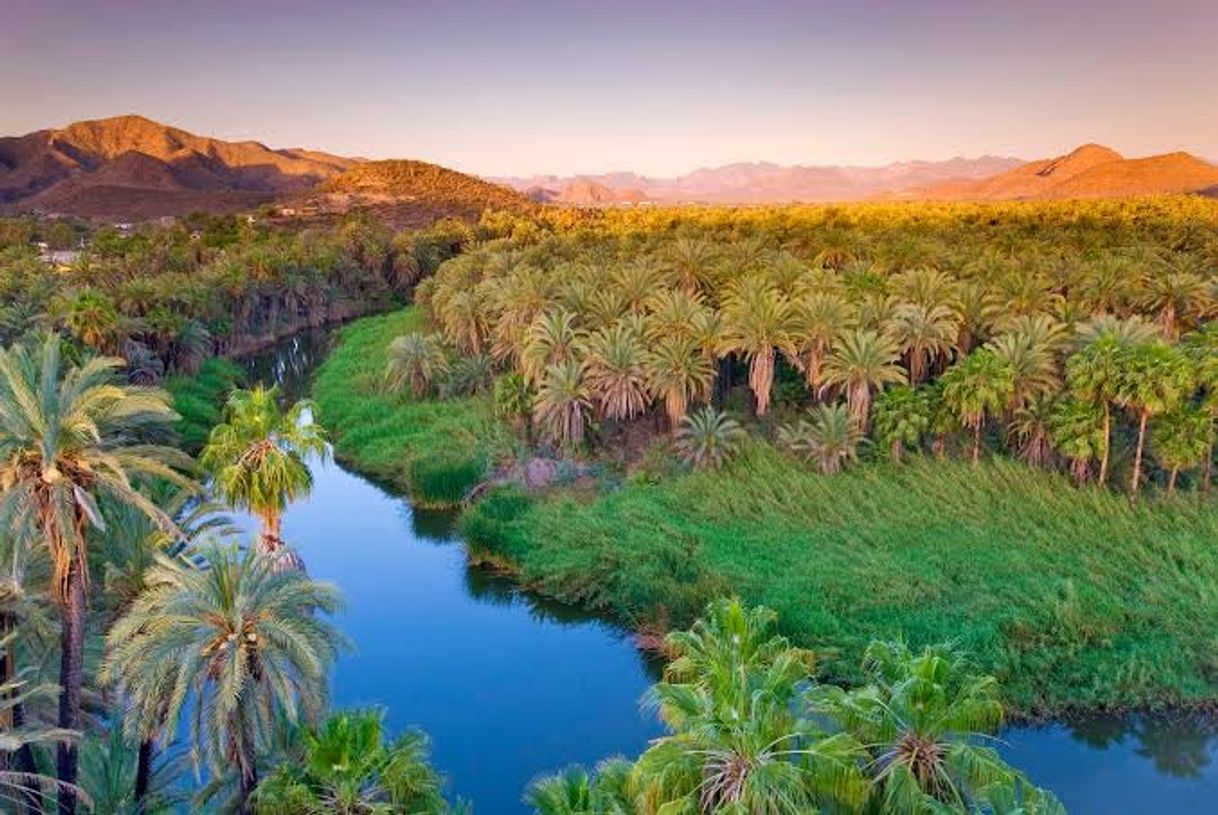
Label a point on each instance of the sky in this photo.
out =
(522, 87)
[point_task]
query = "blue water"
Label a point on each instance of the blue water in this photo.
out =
(509, 687)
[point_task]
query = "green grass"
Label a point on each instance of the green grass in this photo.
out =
(1072, 598)
(434, 449)
(199, 400)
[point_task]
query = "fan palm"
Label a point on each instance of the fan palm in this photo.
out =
(902, 415)
(348, 767)
(416, 359)
(258, 456)
(923, 717)
(1076, 429)
(758, 321)
(243, 641)
(736, 741)
(69, 437)
(1180, 440)
(1155, 378)
(575, 791)
(862, 362)
(978, 386)
(708, 437)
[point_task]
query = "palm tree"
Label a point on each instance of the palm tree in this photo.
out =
(1178, 295)
(348, 767)
(978, 386)
(563, 407)
(902, 415)
(1094, 375)
(242, 641)
(923, 333)
(829, 439)
(677, 374)
(415, 358)
(109, 773)
(758, 320)
(862, 363)
(615, 372)
(1179, 440)
(1077, 430)
(1154, 379)
(1031, 426)
(820, 318)
(69, 438)
(551, 338)
(691, 262)
(1029, 350)
(25, 787)
(708, 437)
(1203, 347)
(737, 742)
(575, 791)
(258, 456)
(923, 718)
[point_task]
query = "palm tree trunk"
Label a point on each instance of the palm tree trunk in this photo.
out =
(1137, 459)
(977, 444)
(143, 772)
(1171, 480)
(896, 450)
(249, 782)
(1107, 443)
(1209, 464)
(71, 677)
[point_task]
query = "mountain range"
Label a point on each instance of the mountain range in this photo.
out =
(130, 167)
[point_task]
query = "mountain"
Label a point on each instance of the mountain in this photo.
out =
(1090, 171)
(133, 166)
(407, 193)
(758, 182)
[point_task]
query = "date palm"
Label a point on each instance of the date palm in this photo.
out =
(978, 386)
(414, 359)
(69, 439)
(707, 438)
(258, 457)
(1203, 347)
(820, 318)
(615, 372)
(1175, 295)
(923, 718)
(552, 338)
(862, 363)
(902, 416)
(563, 407)
(673, 313)
(240, 641)
(677, 373)
(923, 333)
(828, 439)
(347, 766)
(1155, 378)
(758, 321)
(690, 262)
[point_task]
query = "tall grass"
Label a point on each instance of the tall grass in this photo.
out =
(1072, 598)
(199, 399)
(434, 449)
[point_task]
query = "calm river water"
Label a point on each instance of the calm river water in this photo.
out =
(509, 687)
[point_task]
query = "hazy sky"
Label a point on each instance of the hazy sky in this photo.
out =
(658, 87)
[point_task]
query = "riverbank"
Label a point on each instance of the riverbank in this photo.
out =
(1074, 599)
(434, 450)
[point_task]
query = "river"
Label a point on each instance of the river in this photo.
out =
(509, 686)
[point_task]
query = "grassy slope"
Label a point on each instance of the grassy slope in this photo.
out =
(1072, 598)
(433, 449)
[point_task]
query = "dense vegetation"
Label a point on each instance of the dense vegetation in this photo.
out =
(770, 351)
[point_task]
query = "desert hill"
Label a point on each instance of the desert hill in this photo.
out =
(1090, 171)
(132, 168)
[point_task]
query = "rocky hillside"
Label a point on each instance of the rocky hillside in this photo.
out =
(1090, 171)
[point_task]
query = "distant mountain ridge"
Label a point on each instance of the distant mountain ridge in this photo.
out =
(759, 182)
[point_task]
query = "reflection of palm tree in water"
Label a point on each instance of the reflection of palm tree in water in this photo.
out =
(1178, 746)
